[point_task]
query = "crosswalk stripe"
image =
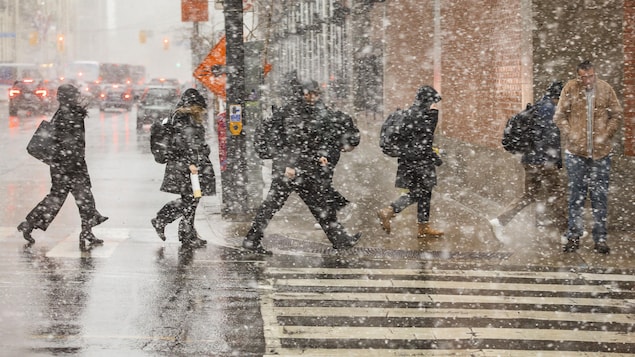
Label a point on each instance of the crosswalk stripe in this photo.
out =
(536, 275)
(466, 333)
(444, 298)
(324, 311)
(424, 284)
(455, 313)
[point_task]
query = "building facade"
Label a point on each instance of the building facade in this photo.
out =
(487, 58)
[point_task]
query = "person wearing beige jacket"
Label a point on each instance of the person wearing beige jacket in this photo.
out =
(588, 116)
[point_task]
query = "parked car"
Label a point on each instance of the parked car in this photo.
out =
(118, 97)
(30, 95)
(156, 103)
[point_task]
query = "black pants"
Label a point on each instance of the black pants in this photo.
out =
(182, 207)
(77, 184)
(313, 193)
(422, 197)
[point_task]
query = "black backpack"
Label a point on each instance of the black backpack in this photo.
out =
(518, 135)
(161, 133)
(268, 135)
(390, 138)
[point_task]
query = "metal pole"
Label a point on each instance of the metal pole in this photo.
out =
(234, 178)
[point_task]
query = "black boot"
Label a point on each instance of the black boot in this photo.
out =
(188, 236)
(253, 243)
(26, 228)
(87, 235)
(159, 227)
(573, 243)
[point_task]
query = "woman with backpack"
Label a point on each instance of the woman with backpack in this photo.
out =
(188, 155)
(417, 162)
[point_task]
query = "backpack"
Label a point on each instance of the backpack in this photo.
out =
(517, 136)
(268, 136)
(390, 140)
(161, 133)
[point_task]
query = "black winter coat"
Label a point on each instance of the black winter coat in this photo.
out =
(70, 142)
(188, 147)
(545, 137)
(417, 165)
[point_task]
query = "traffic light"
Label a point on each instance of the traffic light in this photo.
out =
(60, 43)
(33, 38)
(166, 43)
(142, 36)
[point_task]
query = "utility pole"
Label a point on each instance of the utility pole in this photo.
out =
(234, 178)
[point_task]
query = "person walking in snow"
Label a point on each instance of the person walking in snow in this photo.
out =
(69, 172)
(188, 154)
(417, 163)
(542, 162)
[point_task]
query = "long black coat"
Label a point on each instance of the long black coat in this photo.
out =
(70, 141)
(188, 147)
(417, 165)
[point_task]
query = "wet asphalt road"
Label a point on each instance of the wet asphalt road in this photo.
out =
(392, 296)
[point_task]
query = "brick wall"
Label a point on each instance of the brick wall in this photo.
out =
(629, 78)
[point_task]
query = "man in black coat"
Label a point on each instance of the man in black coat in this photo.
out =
(69, 172)
(417, 162)
(299, 166)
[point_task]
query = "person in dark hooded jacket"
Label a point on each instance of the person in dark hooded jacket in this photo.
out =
(188, 154)
(416, 170)
(542, 163)
(298, 166)
(69, 172)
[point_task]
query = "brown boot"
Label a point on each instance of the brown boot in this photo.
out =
(425, 230)
(385, 215)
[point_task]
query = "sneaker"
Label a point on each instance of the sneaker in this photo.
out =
(317, 226)
(602, 248)
(255, 247)
(497, 228)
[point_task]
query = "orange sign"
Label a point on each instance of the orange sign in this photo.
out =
(211, 72)
(194, 11)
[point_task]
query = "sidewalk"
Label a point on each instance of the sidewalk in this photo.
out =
(366, 177)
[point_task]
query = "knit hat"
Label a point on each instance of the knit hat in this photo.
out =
(192, 97)
(427, 95)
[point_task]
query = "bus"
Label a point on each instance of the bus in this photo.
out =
(138, 75)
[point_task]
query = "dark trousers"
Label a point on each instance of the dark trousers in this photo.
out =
(77, 184)
(420, 196)
(542, 183)
(314, 194)
(184, 207)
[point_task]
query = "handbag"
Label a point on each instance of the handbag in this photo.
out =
(42, 143)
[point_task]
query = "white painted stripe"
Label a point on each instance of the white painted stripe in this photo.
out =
(454, 333)
(69, 246)
(440, 298)
(442, 284)
(454, 313)
(461, 273)
(435, 352)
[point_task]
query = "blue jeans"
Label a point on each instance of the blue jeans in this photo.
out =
(588, 176)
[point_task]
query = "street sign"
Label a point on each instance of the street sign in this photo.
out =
(235, 119)
(211, 71)
(194, 11)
